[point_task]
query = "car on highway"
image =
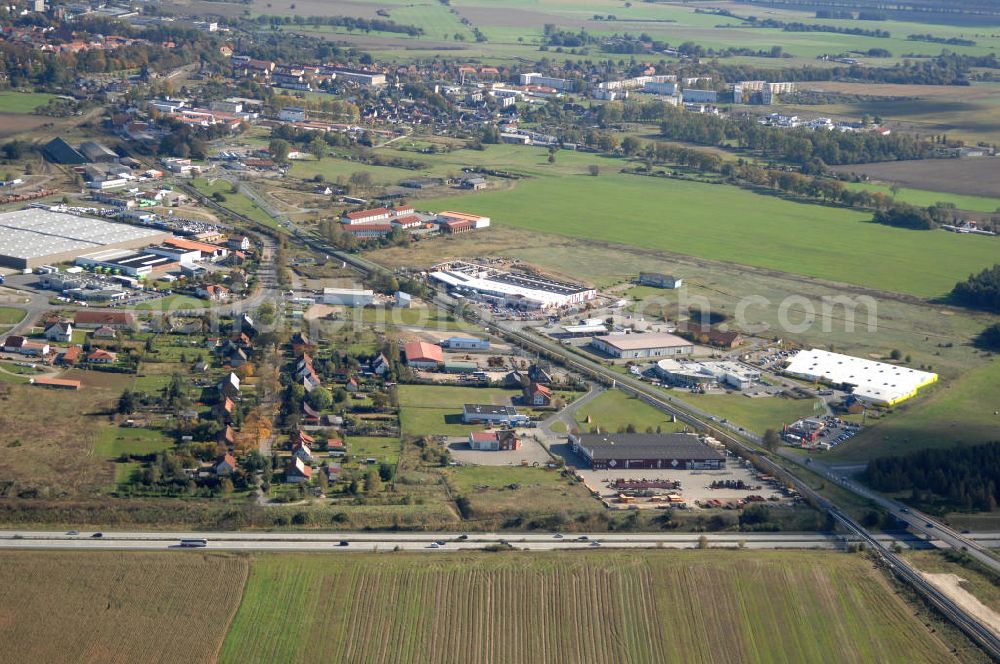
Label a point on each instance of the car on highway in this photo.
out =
(582, 538)
(463, 537)
(343, 543)
(905, 510)
(434, 545)
(595, 543)
(440, 542)
(73, 532)
(928, 525)
(98, 535)
(558, 536)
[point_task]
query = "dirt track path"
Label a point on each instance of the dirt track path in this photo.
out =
(950, 585)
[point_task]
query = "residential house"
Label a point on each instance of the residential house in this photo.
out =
(61, 332)
(536, 374)
(214, 293)
(230, 387)
(537, 394)
(227, 437)
(101, 356)
(239, 243)
(301, 438)
(297, 472)
(336, 447)
(380, 365)
(22, 346)
(224, 410)
(303, 451)
(104, 332)
(71, 356)
(310, 415)
(225, 465)
(117, 320)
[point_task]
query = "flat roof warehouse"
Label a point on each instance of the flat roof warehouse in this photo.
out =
(515, 289)
(877, 383)
(33, 237)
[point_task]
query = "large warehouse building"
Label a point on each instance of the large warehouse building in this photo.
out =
(519, 290)
(874, 383)
(647, 344)
(695, 374)
(33, 237)
(625, 451)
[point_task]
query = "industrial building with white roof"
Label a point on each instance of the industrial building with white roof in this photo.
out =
(519, 290)
(875, 383)
(34, 236)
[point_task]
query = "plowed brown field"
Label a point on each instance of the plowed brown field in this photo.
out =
(116, 607)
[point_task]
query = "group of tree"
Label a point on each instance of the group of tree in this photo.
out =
(965, 477)
(902, 215)
(979, 291)
(796, 146)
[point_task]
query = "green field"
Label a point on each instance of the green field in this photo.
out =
(730, 224)
(961, 412)
(12, 101)
(113, 442)
(11, 315)
(436, 410)
(515, 30)
(927, 198)
(544, 607)
(360, 448)
(424, 317)
(614, 409)
(237, 203)
(757, 415)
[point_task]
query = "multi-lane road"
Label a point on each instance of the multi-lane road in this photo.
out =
(424, 541)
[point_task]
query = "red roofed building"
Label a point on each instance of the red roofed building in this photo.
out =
(452, 226)
(58, 383)
(118, 320)
(101, 356)
(537, 395)
(72, 355)
(298, 472)
(423, 355)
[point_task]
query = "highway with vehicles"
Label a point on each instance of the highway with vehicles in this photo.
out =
(423, 541)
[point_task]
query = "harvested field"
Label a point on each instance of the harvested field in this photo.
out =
(18, 123)
(55, 453)
(116, 607)
(972, 177)
(587, 607)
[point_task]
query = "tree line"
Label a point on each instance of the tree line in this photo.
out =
(349, 22)
(964, 478)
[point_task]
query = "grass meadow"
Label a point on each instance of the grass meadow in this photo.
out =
(556, 607)
(729, 224)
(12, 101)
(614, 409)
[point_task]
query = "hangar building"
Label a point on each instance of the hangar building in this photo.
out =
(624, 451)
(874, 383)
(33, 237)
